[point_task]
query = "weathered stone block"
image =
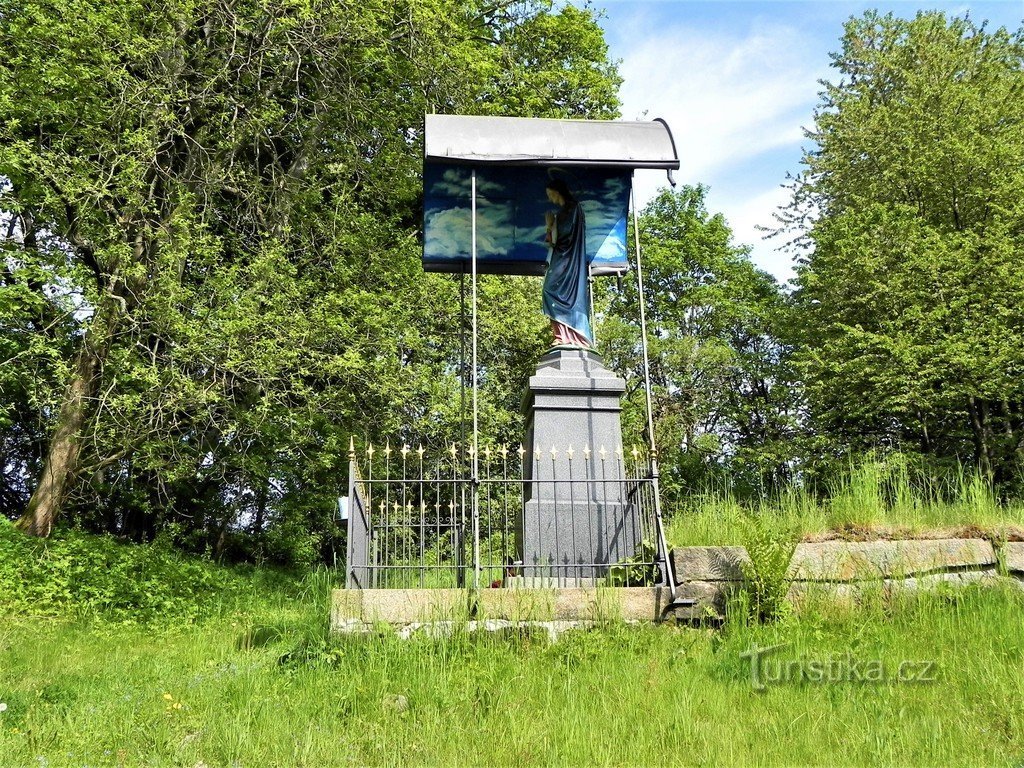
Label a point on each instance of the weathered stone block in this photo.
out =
(574, 604)
(849, 593)
(709, 563)
(709, 598)
(519, 604)
(398, 606)
(860, 560)
(1013, 552)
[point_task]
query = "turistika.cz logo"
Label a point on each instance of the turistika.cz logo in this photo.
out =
(765, 671)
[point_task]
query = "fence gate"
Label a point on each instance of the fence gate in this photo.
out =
(417, 519)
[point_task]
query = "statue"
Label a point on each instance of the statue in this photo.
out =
(566, 296)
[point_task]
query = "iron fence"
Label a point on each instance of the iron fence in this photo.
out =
(558, 516)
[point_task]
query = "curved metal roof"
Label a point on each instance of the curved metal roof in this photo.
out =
(541, 141)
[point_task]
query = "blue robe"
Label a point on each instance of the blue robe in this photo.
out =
(565, 297)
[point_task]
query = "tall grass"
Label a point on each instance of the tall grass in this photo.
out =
(220, 693)
(252, 678)
(876, 493)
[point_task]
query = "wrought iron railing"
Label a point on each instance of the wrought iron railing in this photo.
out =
(558, 516)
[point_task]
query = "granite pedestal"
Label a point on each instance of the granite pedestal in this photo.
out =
(576, 519)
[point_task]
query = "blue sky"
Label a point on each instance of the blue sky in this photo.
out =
(737, 82)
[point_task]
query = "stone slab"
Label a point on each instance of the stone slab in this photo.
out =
(1013, 553)
(574, 604)
(851, 592)
(709, 599)
(353, 608)
(709, 563)
(398, 606)
(865, 560)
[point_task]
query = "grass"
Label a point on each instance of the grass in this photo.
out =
(197, 666)
(240, 691)
(883, 496)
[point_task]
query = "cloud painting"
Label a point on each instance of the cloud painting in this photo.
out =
(511, 203)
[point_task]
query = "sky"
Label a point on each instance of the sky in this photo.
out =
(737, 83)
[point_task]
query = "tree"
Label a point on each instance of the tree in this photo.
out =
(720, 399)
(910, 328)
(221, 199)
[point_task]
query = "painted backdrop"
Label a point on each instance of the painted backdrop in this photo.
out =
(510, 217)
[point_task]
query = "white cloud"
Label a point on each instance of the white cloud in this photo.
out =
(457, 182)
(745, 215)
(733, 97)
(728, 97)
(448, 232)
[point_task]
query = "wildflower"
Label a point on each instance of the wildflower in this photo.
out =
(3, 707)
(168, 697)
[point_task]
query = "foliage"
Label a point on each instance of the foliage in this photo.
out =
(640, 570)
(720, 396)
(96, 694)
(210, 264)
(770, 543)
(907, 317)
(78, 574)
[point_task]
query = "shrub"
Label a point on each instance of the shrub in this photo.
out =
(77, 573)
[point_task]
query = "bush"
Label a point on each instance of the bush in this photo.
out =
(770, 543)
(77, 573)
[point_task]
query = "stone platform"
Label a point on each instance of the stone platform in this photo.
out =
(842, 571)
(398, 607)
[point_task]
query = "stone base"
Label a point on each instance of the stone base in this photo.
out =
(577, 516)
(565, 540)
(354, 607)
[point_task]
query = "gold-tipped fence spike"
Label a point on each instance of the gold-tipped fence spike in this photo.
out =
(554, 452)
(387, 449)
(405, 450)
(604, 453)
(453, 450)
(636, 453)
(618, 451)
(369, 450)
(352, 446)
(537, 452)
(522, 451)
(504, 451)
(569, 452)
(420, 451)
(487, 452)
(586, 453)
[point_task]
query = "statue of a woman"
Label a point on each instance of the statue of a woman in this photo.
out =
(566, 298)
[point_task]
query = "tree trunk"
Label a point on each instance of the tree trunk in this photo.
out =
(981, 448)
(61, 466)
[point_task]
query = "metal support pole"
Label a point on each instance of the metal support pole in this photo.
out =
(350, 559)
(662, 542)
(476, 426)
(459, 490)
(590, 308)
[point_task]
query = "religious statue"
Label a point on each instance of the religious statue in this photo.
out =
(566, 297)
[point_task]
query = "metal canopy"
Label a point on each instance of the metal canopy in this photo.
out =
(540, 141)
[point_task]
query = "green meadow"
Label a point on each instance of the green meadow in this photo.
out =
(215, 666)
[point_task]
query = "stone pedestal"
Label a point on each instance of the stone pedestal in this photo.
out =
(575, 520)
